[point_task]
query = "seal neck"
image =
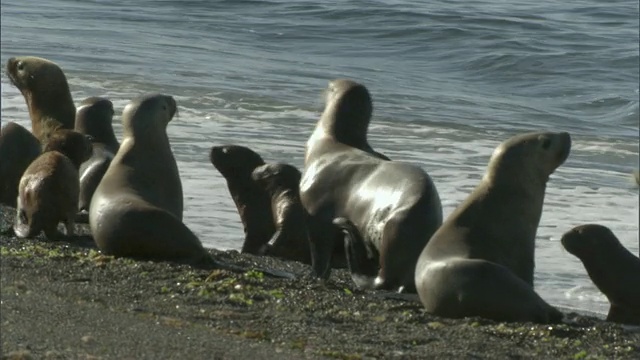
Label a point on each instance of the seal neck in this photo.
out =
(54, 104)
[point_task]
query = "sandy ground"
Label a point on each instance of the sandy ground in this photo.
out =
(65, 300)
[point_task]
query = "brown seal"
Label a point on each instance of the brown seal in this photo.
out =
(48, 190)
(394, 206)
(136, 210)
(46, 92)
(480, 262)
(94, 118)
(611, 267)
(18, 148)
(236, 163)
(291, 239)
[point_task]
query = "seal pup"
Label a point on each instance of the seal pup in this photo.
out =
(18, 148)
(236, 164)
(48, 189)
(394, 206)
(291, 238)
(480, 262)
(94, 118)
(611, 267)
(46, 92)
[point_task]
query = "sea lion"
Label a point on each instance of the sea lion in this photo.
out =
(46, 92)
(394, 206)
(611, 267)
(236, 163)
(94, 117)
(480, 262)
(18, 148)
(291, 239)
(136, 210)
(48, 189)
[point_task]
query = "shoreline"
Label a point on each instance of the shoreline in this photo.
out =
(66, 300)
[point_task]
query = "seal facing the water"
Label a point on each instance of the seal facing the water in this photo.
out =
(611, 267)
(480, 262)
(46, 92)
(18, 148)
(48, 189)
(136, 210)
(291, 238)
(394, 206)
(236, 163)
(94, 118)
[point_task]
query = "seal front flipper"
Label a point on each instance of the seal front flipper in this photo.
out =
(624, 315)
(361, 259)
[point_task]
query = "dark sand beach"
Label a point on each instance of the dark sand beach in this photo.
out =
(65, 300)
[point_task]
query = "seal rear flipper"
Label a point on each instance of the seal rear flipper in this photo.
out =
(624, 315)
(360, 258)
(82, 217)
(459, 287)
(208, 262)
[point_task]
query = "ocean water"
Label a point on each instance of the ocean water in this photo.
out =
(450, 80)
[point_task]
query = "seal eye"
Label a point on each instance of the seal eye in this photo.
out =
(546, 143)
(20, 66)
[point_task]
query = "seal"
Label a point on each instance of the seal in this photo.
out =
(94, 118)
(611, 267)
(136, 210)
(18, 148)
(236, 164)
(46, 92)
(480, 262)
(394, 206)
(48, 189)
(291, 238)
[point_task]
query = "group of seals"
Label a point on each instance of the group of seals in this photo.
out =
(268, 202)
(611, 267)
(480, 262)
(48, 189)
(388, 214)
(394, 206)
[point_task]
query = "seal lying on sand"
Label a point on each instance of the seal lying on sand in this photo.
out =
(93, 118)
(46, 92)
(18, 148)
(291, 239)
(481, 260)
(611, 267)
(394, 206)
(48, 190)
(136, 210)
(236, 163)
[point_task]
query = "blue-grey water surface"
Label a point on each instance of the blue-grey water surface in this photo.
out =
(450, 81)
